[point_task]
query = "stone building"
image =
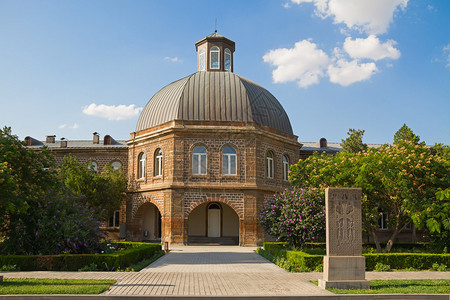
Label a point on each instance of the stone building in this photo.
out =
(207, 150)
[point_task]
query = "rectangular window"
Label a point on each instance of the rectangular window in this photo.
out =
(383, 221)
(225, 169)
(233, 164)
(114, 219)
(214, 60)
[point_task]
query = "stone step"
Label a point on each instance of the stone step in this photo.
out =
(203, 240)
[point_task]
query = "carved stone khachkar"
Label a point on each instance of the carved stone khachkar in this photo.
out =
(344, 265)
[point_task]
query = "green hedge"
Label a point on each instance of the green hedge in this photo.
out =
(133, 253)
(420, 261)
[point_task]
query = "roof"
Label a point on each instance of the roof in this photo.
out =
(80, 144)
(214, 96)
(331, 147)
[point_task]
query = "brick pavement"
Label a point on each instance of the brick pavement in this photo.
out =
(215, 271)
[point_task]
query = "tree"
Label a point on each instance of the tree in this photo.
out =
(35, 210)
(399, 180)
(102, 191)
(294, 216)
(353, 143)
(406, 134)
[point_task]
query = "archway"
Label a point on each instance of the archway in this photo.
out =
(148, 219)
(213, 223)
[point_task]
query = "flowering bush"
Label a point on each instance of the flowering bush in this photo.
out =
(294, 216)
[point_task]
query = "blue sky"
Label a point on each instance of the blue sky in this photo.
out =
(74, 67)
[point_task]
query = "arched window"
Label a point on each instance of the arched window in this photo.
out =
(116, 165)
(269, 164)
(229, 161)
(199, 163)
(141, 165)
(227, 56)
(201, 60)
(285, 168)
(158, 162)
(215, 57)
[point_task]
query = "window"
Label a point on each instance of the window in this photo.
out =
(229, 161)
(114, 219)
(141, 165)
(383, 221)
(199, 157)
(227, 60)
(201, 60)
(116, 165)
(215, 57)
(93, 166)
(158, 162)
(285, 168)
(269, 164)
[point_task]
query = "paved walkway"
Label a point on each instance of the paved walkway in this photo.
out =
(215, 271)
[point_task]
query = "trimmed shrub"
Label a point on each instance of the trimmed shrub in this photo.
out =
(133, 253)
(420, 261)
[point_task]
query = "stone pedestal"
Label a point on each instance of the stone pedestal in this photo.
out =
(344, 265)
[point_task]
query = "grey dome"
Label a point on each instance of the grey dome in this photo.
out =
(214, 96)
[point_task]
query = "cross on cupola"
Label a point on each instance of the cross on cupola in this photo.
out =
(215, 53)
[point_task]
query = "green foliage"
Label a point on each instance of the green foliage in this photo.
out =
(306, 259)
(9, 268)
(441, 150)
(400, 180)
(29, 286)
(419, 261)
(131, 254)
(282, 261)
(353, 143)
(294, 216)
(380, 267)
(37, 216)
(88, 268)
(401, 287)
(438, 267)
(406, 134)
(103, 191)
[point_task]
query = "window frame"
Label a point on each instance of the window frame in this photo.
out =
(211, 51)
(229, 161)
(269, 165)
(383, 221)
(115, 219)
(202, 60)
(141, 166)
(158, 169)
(197, 170)
(227, 52)
(286, 168)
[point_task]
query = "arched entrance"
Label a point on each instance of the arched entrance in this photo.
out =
(213, 223)
(148, 219)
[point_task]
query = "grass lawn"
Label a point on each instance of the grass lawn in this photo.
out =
(402, 287)
(11, 286)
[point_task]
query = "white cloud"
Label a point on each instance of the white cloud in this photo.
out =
(371, 48)
(173, 59)
(348, 72)
(74, 126)
(112, 112)
(370, 16)
(304, 63)
(62, 126)
(286, 5)
(446, 51)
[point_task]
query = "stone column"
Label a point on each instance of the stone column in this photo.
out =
(344, 265)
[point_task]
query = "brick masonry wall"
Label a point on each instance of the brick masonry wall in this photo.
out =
(193, 199)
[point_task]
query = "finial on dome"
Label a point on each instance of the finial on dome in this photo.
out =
(215, 26)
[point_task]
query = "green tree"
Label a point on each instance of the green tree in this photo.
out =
(353, 143)
(37, 216)
(400, 180)
(406, 134)
(102, 191)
